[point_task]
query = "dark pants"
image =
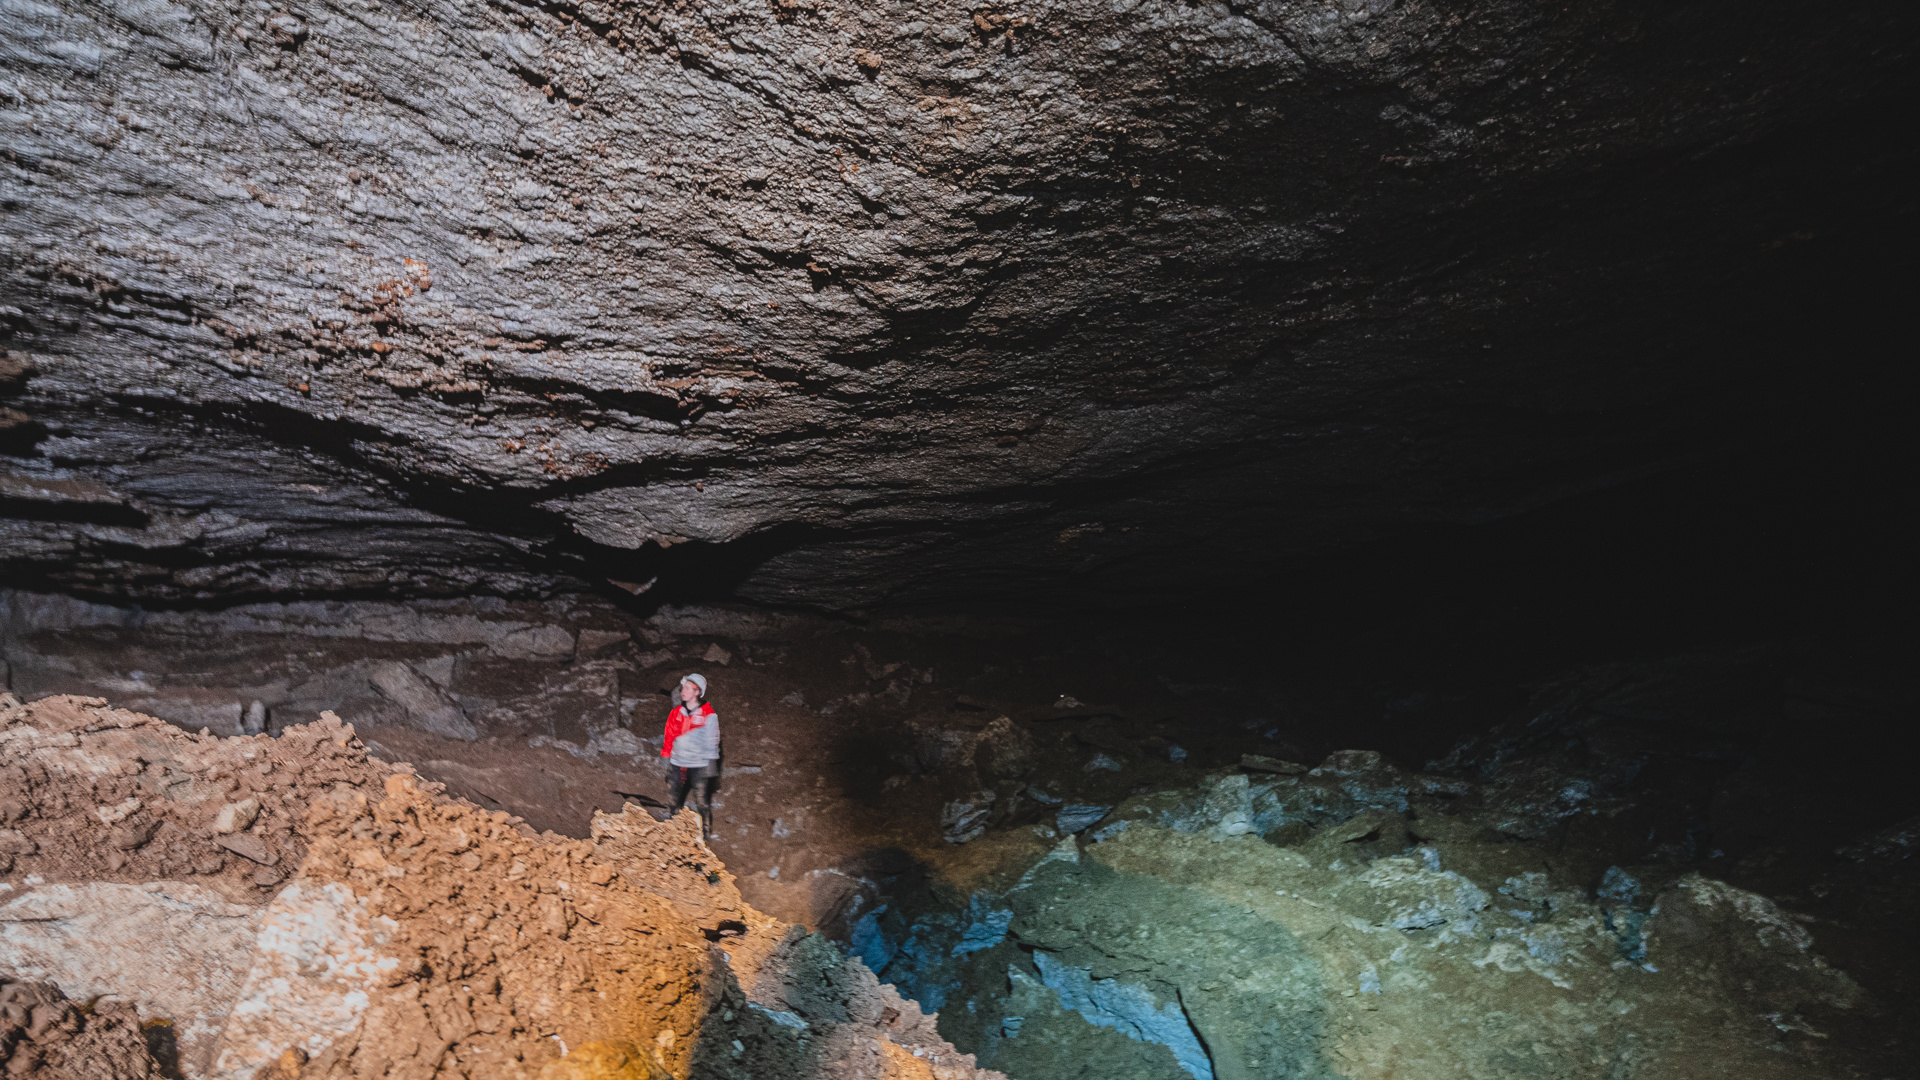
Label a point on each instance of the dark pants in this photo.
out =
(683, 781)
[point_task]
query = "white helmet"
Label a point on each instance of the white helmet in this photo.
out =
(699, 681)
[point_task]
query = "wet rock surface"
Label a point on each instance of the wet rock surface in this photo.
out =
(843, 306)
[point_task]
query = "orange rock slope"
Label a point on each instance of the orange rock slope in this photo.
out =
(417, 935)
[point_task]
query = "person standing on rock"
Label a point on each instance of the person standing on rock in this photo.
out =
(692, 750)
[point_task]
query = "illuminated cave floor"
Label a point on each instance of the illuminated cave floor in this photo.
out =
(1100, 859)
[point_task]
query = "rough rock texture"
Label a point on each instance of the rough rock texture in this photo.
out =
(441, 667)
(44, 1035)
(93, 787)
(1410, 938)
(421, 934)
(341, 296)
(1737, 818)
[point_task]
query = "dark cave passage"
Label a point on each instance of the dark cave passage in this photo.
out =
(1286, 829)
(1140, 844)
(1360, 540)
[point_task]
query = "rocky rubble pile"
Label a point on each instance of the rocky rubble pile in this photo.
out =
(1355, 919)
(43, 1034)
(418, 935)
(92, 789)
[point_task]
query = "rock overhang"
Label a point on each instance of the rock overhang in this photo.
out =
(877, 302)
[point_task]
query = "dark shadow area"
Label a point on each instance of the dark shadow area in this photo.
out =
(1760, 453)
(163, 1044)
(1806, 540)
(776, 1050)
(99, 512)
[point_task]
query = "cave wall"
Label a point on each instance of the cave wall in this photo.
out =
(855, 304)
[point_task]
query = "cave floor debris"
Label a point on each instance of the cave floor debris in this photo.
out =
(1635, 876)
(420, 933)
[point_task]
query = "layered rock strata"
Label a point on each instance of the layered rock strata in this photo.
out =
(897, 302)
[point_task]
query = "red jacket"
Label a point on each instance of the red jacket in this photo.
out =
(678, 722)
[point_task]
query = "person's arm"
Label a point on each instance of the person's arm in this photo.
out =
(708, 734)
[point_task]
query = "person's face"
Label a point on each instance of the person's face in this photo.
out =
(689, 693)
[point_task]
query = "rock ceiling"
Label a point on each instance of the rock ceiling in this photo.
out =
(850, 304)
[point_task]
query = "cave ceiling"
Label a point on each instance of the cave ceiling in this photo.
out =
(849, 304)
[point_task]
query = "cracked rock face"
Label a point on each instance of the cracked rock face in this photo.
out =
(871, 303)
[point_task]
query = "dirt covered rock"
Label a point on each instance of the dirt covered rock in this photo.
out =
(417, 934)
(42, 1034)
(103, 794)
